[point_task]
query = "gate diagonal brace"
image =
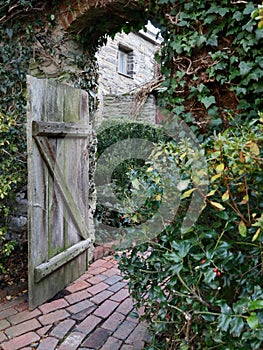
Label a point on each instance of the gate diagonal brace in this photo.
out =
(49, 158)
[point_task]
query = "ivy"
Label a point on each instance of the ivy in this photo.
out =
(216, 47)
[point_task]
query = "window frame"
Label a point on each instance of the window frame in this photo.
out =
(125, 63)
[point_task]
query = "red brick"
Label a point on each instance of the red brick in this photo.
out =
(71, 17)
(124, 330)
(99, 298)
(77, 286)
(112, 343)
(121, 295)
(22, 307)
(53, 317)
(110, 264)
(22, 328)
(23, 316)
(72, 342)
(6, 313)
(117, 286)
(108, 248)
(53, 306)
(88, 324)
(42, 331)
(126, 306)
(113, 279)
(98, 263)
(4, 324)
(112, 272)
(11, 304)
(20, 342)
(78, 296)
(96, 279)
(106, 308)
(127, 347)
(139, 334)
(83, 314)
(98, 253)
(113, 321)
(3, 337)
(82, 305)
(64, 7)
(62, 329)
(48, 343)
(97, 288)
(97, 339)
(97, 270)
(64, 22)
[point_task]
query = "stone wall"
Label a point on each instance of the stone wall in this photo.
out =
(121, 106)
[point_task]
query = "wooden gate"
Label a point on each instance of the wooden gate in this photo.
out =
(58, 187)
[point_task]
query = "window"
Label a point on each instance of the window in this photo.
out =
(125, 61)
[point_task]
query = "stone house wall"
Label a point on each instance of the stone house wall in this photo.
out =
(115, 91)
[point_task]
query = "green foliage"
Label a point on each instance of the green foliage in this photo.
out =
(202, 289)
(15, 53)
(111, 134)
(212, 61)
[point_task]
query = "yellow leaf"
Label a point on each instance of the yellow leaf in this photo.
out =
(253, 147)
(220, 168)
(217, 205)
(242, 228)
(225, 196)
(245, 199)
(211, 193)
(183, 155)
(158, 197)
(149, 169)
(187, 193)
(215, 177)
(255, 237)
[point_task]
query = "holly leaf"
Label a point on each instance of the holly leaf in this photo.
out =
(255, 304)
(252, 321)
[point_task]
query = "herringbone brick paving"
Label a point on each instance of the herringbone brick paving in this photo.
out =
(93, 313)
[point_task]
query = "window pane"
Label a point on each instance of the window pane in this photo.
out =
(122, 62)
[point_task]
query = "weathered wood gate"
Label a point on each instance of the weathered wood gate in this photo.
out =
(58, 136)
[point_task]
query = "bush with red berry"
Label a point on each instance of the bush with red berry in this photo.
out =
(203, 288)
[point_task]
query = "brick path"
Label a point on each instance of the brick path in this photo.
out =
(94, 313)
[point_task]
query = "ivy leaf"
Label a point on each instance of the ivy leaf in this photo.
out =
(208, 101)
(245, 67)
(242, 228)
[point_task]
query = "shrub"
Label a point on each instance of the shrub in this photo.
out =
(202, 289)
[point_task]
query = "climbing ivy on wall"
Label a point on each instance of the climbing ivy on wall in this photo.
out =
(212, 60)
